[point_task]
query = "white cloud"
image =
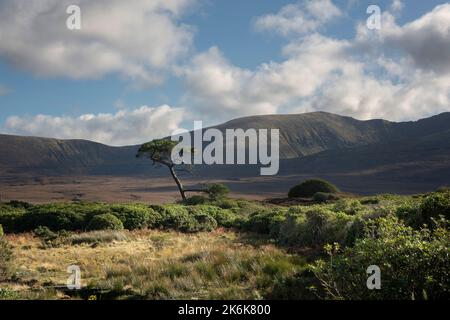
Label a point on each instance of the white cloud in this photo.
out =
(124, 127)
(425, 41)
(299, 18)
(401, 74)
(137, 39)
(397, 6)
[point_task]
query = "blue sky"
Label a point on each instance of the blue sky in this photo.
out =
(219, 36)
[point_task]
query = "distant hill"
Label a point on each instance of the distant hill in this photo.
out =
(316, 143)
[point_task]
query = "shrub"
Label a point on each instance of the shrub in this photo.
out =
(413, 263)
(217, 191)
(416, 214)
(226, 204)
(315, 227)
(6, 259)
(185, 218)
(266, 222)
(195, 200)
(310, 187)
(56, 217)
(1, 231)
(105, 221)
(225, 218)
(435, 205)
(348, 206)
(11, 218)
(322, 197)
(135, 216)
(45, 234)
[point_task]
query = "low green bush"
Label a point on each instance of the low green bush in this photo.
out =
(45, 234)
(11, 218)
(417, 213)
(135, 216)
(310, 187)
(413, 263)
(217, 191)
(6, 259)
(322, 197)
(266, 222)
(348, 206)
(185, 218)
(315, 227)
(195, 200)
(106, 221)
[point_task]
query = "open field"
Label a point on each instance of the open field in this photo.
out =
(116, 189)
(229, 249)
(154, 264)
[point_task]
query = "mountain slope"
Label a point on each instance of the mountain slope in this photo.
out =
(319, 142)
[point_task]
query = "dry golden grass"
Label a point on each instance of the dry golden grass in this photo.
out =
(154, 265)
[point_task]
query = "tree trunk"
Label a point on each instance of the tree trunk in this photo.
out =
(178, 182)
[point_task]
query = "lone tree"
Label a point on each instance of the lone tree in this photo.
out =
(160, 152)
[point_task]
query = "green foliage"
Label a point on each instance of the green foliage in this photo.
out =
(56, 217)
(45, 234)
(157, 150)
(413, 263)
(322, 197)
(186, 218)
(418, 213)
(135, 216)
(315, 227)
(195, 200)
(6, 259)
(1, 231)
(266, 222)
(105, 221)
(310, 187)
(226, 204)
(348, 206)
(10, 218)
(217, 191)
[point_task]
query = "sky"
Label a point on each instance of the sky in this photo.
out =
(139, 69)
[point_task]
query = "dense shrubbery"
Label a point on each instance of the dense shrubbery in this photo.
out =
(266, 222)
(135, 216)
(6, 259)
(310, 187)
(322, 197)
(432, 207)
(413, 263)
(105, 221)
(315, 227)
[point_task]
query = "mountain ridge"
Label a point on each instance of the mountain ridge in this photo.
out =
(316, 143)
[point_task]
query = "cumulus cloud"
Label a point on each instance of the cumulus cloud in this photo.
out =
(299, 18)
(222, 90)
(402, 73)
(425, 41)
(124, 127)
(397, 6)
(136, 38)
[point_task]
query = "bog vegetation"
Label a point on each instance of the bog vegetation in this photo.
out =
(223, 248)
